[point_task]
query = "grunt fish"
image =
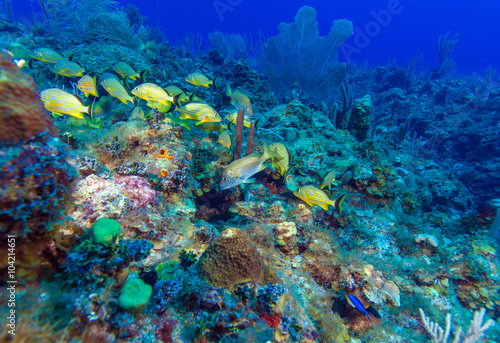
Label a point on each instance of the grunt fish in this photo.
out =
(314, 196)
(241, 170)
(60, 102)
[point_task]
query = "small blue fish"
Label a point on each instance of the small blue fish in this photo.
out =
(354, 301)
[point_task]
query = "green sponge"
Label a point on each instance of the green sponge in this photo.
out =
(106, 230)
(134, 295)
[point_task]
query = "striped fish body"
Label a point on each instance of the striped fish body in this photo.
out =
(160, 107)
(212, 126)
(152, 93)
(198, 79)
(201, 113)
(225, 139)
(60, 102)
(314, 196)
(114, 87)
(85, 122)
(88, 85)
(283, 159)
(239, 99)
(106, 76)
(125, 70)
(242, 170)
(68, 68)
(232, 118)
(328, 180)
(174, 90)
(47, 55)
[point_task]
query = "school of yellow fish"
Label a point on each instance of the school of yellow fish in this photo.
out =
(172, 99)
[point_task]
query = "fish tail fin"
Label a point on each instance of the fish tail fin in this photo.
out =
(126, 83)
(142, 75)
(268, 153)
(214, 83)
(134, 101)
(338, 203)
(175, 100)
(228, 89)
(185, 123)
(72, 57)
(99, 124)
(91, 110)
(373, 312)
(30, 63)
(94, 80)
(257, 123)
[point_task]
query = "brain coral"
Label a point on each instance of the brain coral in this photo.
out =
(22, 114)
(230, 260)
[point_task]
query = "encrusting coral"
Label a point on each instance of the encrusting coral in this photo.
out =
(22, 115)
(230, 260)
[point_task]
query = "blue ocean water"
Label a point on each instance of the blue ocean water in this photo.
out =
(386, 30)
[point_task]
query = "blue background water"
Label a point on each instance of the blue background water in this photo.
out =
(416, 25)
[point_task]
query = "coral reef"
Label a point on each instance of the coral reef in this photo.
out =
(22, 112)
(122, 230)
(230, 260)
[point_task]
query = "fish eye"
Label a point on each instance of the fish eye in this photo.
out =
(162, 152)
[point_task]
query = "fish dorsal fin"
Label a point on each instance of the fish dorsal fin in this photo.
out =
(254, 154)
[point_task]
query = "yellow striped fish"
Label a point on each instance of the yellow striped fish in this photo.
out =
(174, 90)
(201, 113)
(328, 180)
(241, 170)
(115, 88)
(68, 68)
(314, 196)
(225, 139)
(47, 55)
(198, 79)
(169, 107)
(154, 93)
(60, 102)
(231, 117)
(283, 159)
(239, 99)
(175, 120)
(125, 70)
(212, 126)
(85, 122)
(137, 112)
(107, 75)
(88, 85)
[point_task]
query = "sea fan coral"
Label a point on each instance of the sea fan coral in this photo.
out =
(71, 17)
